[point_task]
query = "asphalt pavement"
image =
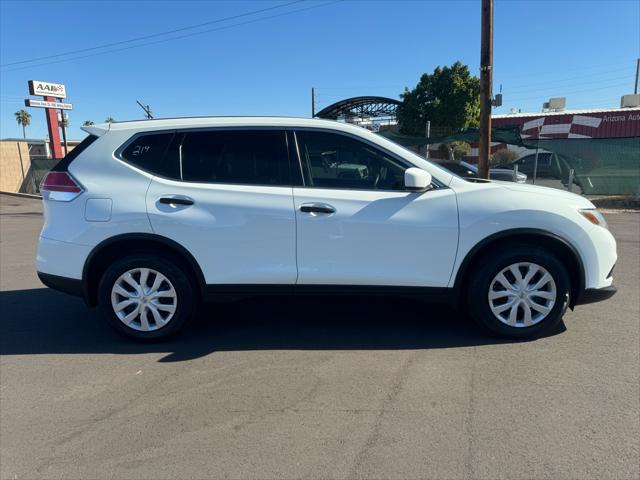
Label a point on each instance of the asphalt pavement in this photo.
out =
(313, 387)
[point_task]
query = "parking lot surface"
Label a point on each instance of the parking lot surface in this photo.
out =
(313, 387)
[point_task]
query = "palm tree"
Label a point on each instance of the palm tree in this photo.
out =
(87, 123)
(23, 118)
(109, 119)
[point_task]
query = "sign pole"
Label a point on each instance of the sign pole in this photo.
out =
(64, 132)
(54, 130)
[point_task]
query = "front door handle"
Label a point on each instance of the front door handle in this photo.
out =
(317, 208)
(176, 201)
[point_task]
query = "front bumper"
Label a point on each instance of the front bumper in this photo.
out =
(593, 295)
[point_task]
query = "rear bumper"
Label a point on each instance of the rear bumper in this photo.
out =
(71, 286)
(593, 295)
(62, 259)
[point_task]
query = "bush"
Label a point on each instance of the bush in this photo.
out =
(503, 157)
(457, 149)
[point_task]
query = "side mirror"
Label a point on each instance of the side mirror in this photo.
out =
(416, 179)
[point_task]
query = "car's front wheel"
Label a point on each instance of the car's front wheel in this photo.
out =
(146, 298)
(519, 292)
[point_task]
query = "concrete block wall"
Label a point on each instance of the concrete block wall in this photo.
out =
(14, 165)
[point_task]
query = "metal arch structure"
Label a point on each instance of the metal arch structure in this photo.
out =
(360, 107)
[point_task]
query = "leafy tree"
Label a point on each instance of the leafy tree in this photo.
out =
(24, 119)
(455, 150)
(87, 123)
(502, 157)
(109, 120)
(449, 97)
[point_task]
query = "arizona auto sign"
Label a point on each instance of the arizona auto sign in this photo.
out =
(46, 89)
(605, 123)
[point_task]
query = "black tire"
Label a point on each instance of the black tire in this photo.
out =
(493, 263)
(186, 299)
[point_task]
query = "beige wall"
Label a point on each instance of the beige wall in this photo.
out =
(12, 170)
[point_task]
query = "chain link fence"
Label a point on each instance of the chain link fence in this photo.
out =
(590, 166)
(39, 167)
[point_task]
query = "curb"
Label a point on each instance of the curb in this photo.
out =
(616, 201)
(23, 195)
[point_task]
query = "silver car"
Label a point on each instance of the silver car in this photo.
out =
(467, 170)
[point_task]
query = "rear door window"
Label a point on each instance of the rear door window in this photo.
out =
(247, 157)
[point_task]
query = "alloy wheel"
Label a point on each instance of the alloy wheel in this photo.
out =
(144, 299)
(522, 294)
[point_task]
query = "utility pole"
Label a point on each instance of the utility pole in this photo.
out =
(313, 102)
(486, 77)
(147, 110)
(635, 89)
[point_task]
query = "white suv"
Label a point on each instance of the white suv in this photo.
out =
(147, 219)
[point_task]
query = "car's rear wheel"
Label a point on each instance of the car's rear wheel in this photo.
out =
(146, 298)
(519, 292)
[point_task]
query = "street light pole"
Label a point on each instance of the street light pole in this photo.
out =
(486, 78)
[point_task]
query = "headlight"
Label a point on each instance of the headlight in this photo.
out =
(595, 217)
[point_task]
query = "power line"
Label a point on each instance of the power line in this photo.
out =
(153, 35)
(175, 38)
(571, 79)
(574, 69)
(553, 85)
(568, 92)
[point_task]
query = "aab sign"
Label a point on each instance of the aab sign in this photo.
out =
(47, 89)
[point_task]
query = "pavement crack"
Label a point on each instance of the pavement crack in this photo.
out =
(471, 410)
(394, 389)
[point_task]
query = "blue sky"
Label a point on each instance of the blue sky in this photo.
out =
(584, 50)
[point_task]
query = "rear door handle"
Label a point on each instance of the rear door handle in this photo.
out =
(176, 201)
(317, 208)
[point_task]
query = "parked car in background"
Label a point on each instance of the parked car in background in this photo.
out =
(467, 170)
(550, 167)
(545, 169)
(148, 219)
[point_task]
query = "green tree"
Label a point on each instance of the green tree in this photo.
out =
(24, 119)
(87, 123)
(502, 157)
(109, 120)
(449, 97)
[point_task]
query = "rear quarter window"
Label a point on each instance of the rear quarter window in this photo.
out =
(147, 151)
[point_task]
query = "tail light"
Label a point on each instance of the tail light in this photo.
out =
(60, 186)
